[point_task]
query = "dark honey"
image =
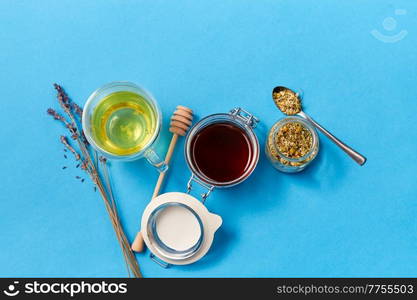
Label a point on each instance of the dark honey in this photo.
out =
(221, 151)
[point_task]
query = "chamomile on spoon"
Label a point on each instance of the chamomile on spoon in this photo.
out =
(289, 103)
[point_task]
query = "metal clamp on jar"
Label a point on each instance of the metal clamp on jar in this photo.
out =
(221, 150)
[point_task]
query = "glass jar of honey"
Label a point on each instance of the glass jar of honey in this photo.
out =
(292, 144)
(222, 149)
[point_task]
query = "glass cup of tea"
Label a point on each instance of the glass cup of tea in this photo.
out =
(122, 121)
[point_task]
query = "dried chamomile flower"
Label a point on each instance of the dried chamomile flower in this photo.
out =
(294, 140)
(287, 101)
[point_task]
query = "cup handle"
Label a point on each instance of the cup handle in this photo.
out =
(155, 160)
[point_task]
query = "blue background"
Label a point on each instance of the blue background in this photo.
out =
(334, 219)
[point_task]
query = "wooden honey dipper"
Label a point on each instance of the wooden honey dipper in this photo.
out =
(181, 121)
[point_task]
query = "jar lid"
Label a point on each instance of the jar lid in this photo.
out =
(178, 228)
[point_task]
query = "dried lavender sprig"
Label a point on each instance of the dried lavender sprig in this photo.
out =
(78, 110)
(67, 105)
(91, 168)
(71, 127)
(127, 254)
(63, 99)
(64, 141)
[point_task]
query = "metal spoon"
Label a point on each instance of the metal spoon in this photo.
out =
(360, 159)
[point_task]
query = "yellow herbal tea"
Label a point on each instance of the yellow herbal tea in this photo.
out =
(123, 123)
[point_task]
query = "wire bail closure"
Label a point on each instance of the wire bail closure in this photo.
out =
(245, 116)
(195, 179)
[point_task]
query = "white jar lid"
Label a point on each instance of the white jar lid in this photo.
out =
(178, 228)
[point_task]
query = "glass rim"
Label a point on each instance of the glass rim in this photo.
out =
(85, 120)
